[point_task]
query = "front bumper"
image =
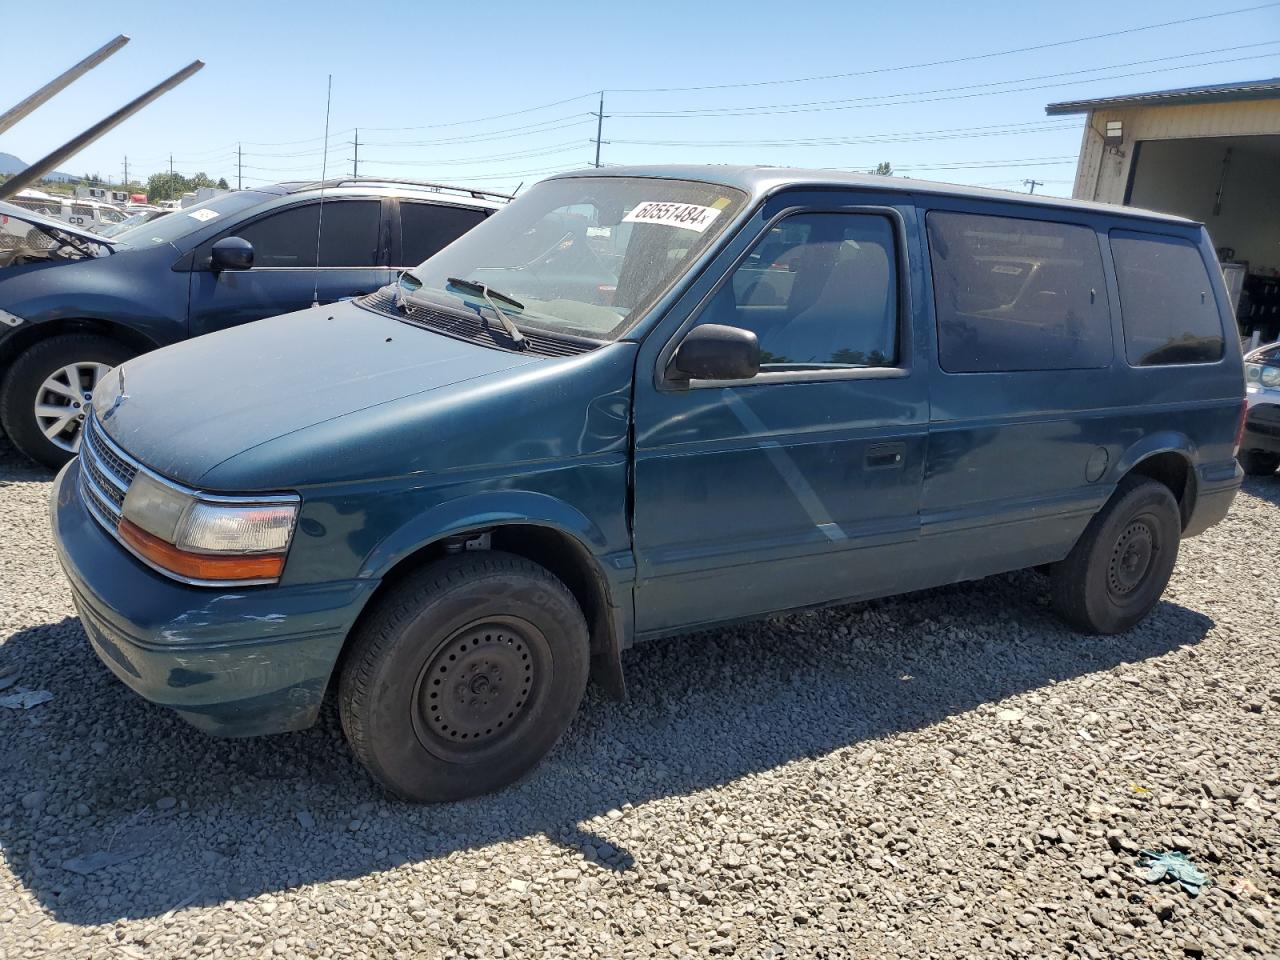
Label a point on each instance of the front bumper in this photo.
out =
(233, 662)
(1262, 428)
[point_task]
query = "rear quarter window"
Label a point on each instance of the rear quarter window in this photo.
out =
(1017, 294)
(427, 228)
(1167, 307)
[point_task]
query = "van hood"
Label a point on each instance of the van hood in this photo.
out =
(24, 234)
(184, 409)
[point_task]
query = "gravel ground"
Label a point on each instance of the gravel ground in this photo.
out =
(949, 774)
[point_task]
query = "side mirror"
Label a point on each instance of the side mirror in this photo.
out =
(716, 352)
(231, 253)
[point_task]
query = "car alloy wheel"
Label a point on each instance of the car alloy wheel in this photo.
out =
(63, 400)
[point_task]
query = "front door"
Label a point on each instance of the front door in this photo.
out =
(285, 275)
(802, 485)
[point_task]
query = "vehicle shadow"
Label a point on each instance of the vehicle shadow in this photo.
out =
(1264, 488)
(260, 816)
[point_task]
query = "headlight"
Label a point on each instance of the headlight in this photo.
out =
(1270, 376)
(211, 540)
(1252, 372)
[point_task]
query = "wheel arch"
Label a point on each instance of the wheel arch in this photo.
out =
(28, 335)
(547, 532)
(1168, 458)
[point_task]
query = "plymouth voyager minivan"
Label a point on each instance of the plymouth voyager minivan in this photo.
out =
(634, 403)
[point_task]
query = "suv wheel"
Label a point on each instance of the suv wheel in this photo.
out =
(1120, 566)
(48, 390)
(464, 676)
(1259, 463)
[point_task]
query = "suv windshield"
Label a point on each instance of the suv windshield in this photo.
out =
(179, 223)
(583, 255)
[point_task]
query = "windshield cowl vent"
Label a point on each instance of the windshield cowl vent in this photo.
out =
(474, 329)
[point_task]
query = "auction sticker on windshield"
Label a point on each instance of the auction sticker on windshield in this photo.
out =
(203, 214)
(687, 216)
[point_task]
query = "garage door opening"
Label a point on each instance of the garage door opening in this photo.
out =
(1232, 185)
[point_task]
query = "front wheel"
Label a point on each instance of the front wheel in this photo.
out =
(49, 389)
(464, 676)
(1120, 566)
(1259, 463)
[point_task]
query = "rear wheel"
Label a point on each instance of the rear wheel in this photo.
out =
(48, 391)
(1259, 463)
(1120, 566)
(464, 676)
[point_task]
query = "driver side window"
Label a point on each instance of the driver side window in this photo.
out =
(820, 291)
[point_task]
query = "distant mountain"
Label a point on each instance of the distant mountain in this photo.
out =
(11, 164)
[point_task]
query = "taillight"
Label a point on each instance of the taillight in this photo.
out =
(1244, 412)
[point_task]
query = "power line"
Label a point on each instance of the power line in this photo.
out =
(845, 103)
(496, 116)
(947, 133)
(551, 150)
(952, 60)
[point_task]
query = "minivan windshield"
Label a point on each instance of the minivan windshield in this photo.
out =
(583, 256)
(179, 223)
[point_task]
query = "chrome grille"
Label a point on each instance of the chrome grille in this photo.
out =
(105, 474)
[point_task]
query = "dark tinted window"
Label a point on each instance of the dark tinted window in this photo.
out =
(1017, 294)
(819, 290)
(426, 229)
(1166, 300)
(288, 238)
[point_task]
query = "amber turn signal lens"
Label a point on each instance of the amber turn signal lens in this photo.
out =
(201, 566)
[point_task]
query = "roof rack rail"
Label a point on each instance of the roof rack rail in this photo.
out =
(398, 182)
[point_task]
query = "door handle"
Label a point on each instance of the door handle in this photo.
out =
(885, 456)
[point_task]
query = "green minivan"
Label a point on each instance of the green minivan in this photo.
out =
(638, 402)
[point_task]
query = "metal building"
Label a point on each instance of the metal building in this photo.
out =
(1211, 153)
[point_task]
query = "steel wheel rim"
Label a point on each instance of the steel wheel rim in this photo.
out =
(480, 687)
(63, 400)
(1132, 558)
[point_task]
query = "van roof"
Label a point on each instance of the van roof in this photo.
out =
(760, 181)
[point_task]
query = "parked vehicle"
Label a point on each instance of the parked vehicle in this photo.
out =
(1260, 447)
(84, 212)
(72, 310)
(454, 498)
(135, 217)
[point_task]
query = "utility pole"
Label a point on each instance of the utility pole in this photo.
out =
(355, 163)
(1032, 184)
(126, 171)
(239, 168)
(171, 164)
(599, 126)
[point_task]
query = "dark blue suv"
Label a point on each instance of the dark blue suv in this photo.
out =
(75, 304)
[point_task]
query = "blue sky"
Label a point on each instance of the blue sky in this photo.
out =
(457, 93)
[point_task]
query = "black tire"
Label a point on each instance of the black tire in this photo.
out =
(464, 676)
(1259, 463)
(26, 378)
(1120, 566)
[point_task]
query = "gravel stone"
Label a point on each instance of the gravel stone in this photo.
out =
(949, 774)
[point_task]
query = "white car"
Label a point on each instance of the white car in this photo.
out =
(1260, 448)
(84, 213)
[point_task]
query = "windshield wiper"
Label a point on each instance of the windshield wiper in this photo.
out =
(483, 289)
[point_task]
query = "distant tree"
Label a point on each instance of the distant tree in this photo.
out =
(222, 184)
(166, 186)
(199, 180)
(883, 169)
